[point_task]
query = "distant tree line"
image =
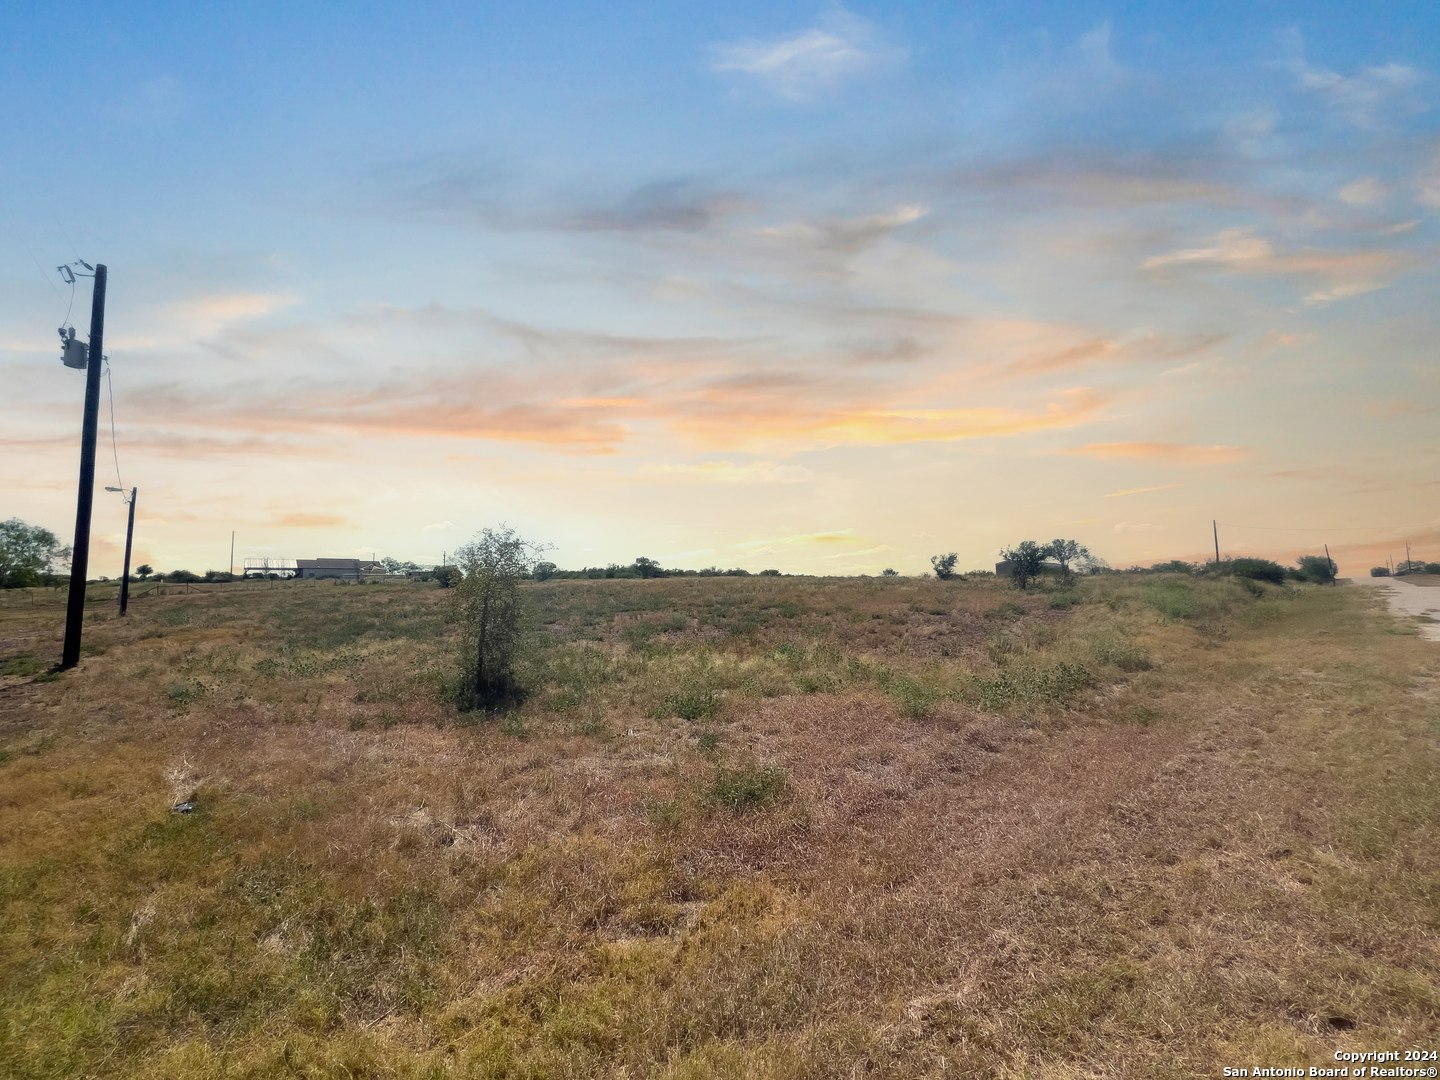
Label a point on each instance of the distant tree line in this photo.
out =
(1409, 566)
(642, 567)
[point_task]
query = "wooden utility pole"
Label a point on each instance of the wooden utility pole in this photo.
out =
(1216, 529)
(80, 557)
(1331, 562)
(129, 536)
(231, 571)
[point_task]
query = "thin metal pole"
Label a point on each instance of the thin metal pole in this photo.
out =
(80, 557)
(129, 536)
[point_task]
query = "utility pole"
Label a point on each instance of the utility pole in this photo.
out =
(1408, 567)
(231, 571)
(1331, 561)
(1216, 529)
(80, 558)
(129, 536)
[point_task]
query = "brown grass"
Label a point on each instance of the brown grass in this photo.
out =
(892, 841)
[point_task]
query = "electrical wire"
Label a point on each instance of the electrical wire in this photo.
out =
(1344, 528)
(114, 447)
(66, 323)
(45, 275)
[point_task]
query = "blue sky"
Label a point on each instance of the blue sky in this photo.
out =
(826, 288)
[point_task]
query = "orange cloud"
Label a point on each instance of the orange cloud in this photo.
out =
(741, 423)
(1158, 451)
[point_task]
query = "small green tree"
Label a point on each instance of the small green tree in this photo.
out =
(26, 553)
(544, 571)
(1318, 568)
(890, 571)
(648, 568)
(1065, 552)
(944, 565)
(1025, 560)
(1379, 571)
(488, 608)
(144, 570)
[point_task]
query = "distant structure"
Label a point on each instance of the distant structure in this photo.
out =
(349, 569)
(1002, 569)
(266, 567)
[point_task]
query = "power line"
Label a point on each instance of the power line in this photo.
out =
(114, 448)
(1335, 529)
(45, 275)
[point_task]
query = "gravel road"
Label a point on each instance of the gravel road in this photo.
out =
(1406, 599)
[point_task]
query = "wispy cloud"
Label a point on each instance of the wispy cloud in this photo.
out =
(1349, 272)
(1139, 491)
(811, 62)
(839, 536)
(1231, 246)
(1362, 192)
(1359, 98)
(666, 205)
(1174, 453)
(726, 472)
(1135, 526)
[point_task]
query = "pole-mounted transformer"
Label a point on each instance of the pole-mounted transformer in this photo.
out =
(72, 351)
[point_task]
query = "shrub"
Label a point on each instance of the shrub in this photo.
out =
(1026, 560)
(1174, 566)
(488, 608)
(944, 565)
(544, 571)
(769, 573)
(1379, 571)
(892, 572)
(182, 576)
(1317, 568)
(1257, 570)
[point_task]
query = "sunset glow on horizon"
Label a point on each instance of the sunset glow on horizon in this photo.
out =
(824, 289)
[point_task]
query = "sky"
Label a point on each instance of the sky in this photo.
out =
(825, 289)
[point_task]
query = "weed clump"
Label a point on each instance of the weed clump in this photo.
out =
(1021, 685)
(694, 702)
(745, 788)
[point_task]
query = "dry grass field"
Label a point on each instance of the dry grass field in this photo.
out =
(741, 827)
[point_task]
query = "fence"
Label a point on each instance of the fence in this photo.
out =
(59, 596)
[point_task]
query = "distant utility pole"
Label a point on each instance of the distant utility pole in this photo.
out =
(231, 571)
(1331, 561)
(80, 558)
(129, 536)
(1216, 529)
(1407, 557)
